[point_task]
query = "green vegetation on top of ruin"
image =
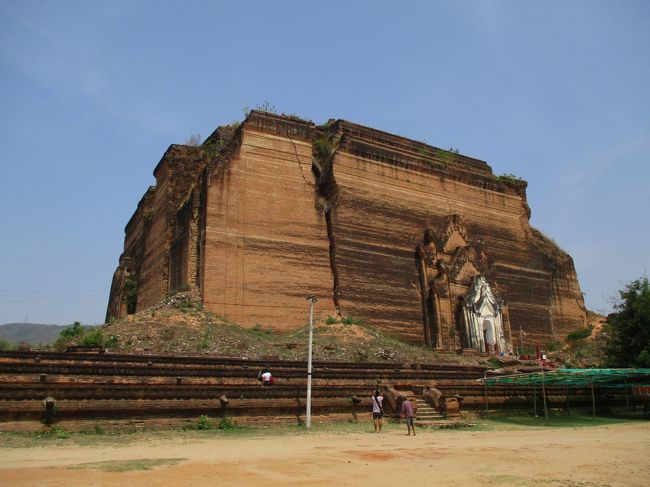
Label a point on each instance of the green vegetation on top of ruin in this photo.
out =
(513, 182)
(439, 157)
(265, 106)
(509, 179)
(447, 157)
(193, 140)
(268, 107)
(222, 137)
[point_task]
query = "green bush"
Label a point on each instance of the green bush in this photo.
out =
(494, 362)
(350, 320)
(226, 424)
(579, 334)
(94, 337)
(204, 423)
(68, 335)
(554, 347)
(508, 178)
(259, 329)
(330, 320)
(59, 433)
(5, 345)
(447, 157)
(72, 331)
(60, 344)
(111, 342)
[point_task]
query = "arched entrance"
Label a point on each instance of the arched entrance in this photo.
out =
(482, 319)
(489, 336)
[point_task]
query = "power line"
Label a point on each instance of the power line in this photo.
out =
(51, 295)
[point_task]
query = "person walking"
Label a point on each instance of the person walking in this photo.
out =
(377, 410)
(407, 413)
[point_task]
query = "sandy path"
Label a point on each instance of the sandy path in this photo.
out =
(606, 455)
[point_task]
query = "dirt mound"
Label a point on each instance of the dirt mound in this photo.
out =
(180, 325)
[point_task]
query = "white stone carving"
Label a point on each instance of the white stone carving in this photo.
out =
(483, 319)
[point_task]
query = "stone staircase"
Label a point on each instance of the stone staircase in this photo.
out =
(425, 415)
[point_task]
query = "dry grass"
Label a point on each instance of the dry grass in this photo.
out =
(128, 465)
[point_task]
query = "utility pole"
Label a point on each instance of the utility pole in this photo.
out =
(312, 299)
(544, 392)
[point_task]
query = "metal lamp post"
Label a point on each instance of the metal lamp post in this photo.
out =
(312, 299)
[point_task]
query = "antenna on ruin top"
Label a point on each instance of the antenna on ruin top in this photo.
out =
(26, 317)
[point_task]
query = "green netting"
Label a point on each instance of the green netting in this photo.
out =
(576, 377)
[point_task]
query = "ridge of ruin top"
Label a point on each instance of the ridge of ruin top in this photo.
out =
(355, 132)
(360, 140)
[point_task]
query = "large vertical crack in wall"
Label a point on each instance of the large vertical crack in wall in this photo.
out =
(332, 249)
(327, 192)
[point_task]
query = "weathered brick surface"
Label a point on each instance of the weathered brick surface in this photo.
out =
(266, 244)
(248, 226)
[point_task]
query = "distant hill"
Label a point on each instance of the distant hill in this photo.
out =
(32, 333)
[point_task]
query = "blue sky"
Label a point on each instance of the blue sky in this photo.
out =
(92, 93)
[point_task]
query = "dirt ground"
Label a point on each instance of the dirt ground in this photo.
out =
(611, 455)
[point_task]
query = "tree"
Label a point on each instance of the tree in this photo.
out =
(628, 329)
(73, 331)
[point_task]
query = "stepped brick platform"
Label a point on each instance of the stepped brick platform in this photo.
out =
(174, 390)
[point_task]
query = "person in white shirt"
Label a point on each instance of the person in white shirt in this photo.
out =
(267, 378)
(377, 409)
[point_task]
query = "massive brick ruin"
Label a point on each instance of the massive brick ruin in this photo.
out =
(426, 244)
